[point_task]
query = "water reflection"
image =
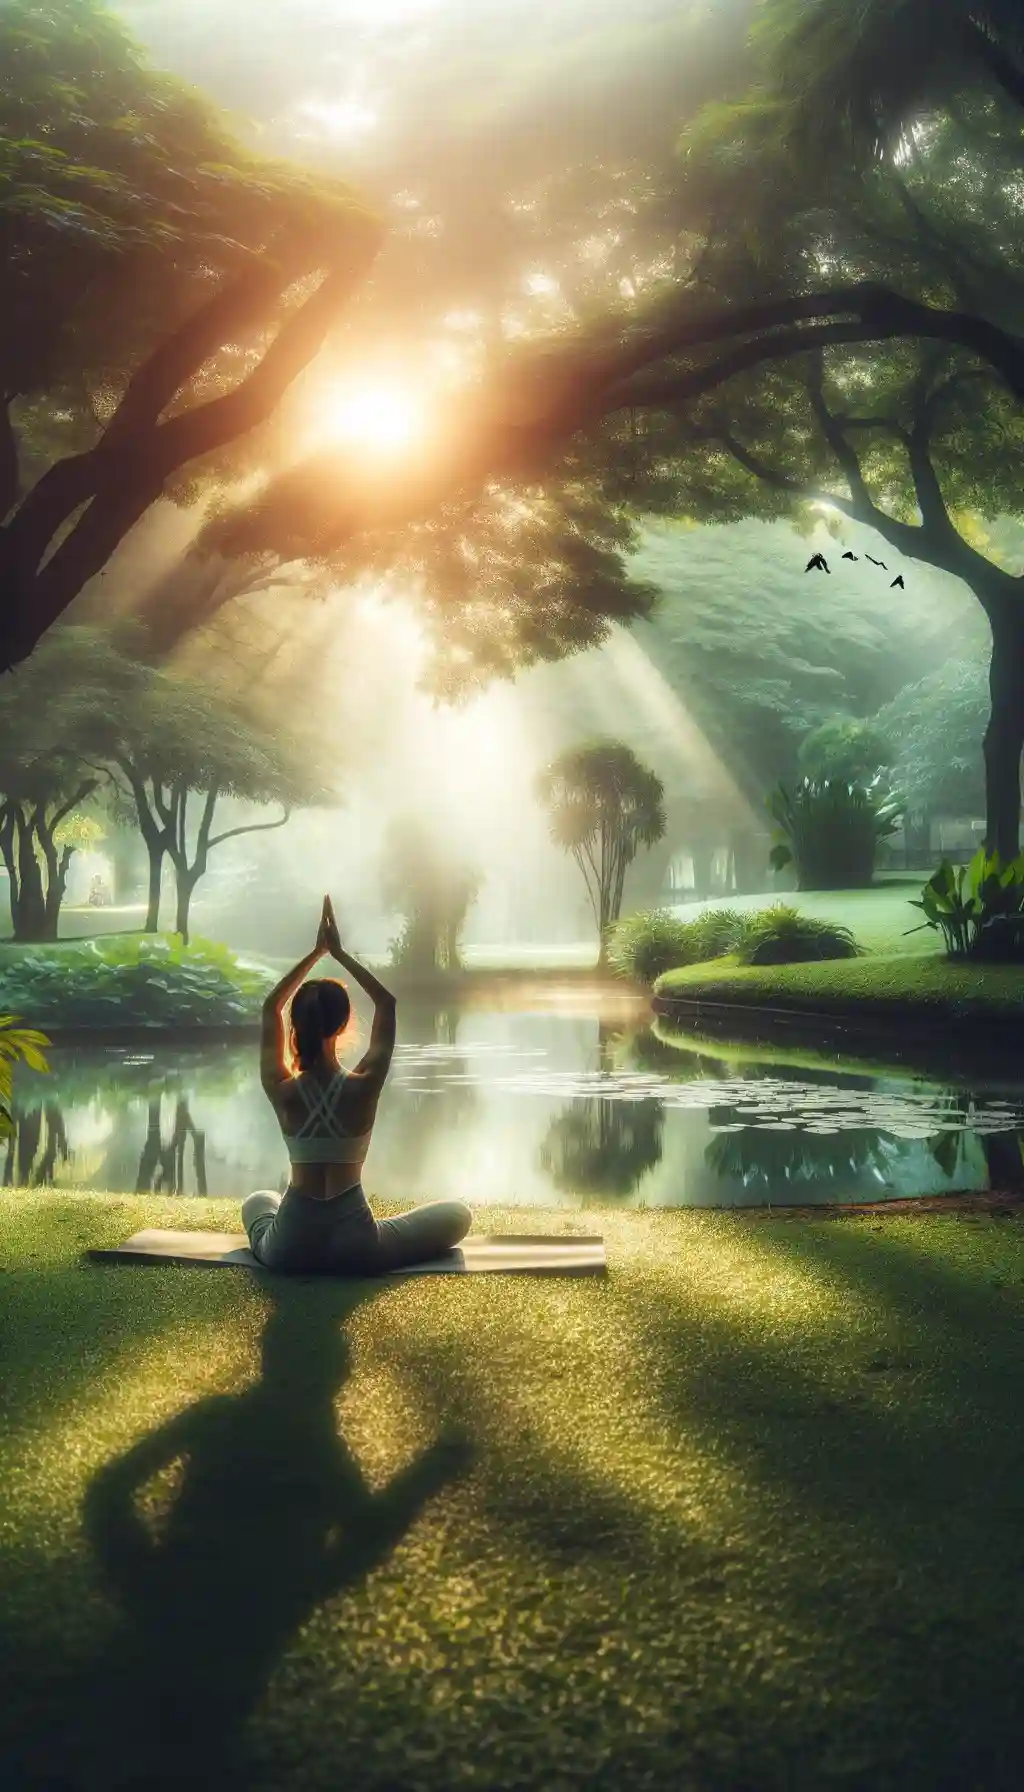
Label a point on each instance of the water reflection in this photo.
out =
(548, 1104)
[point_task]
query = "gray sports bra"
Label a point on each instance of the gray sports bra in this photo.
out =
(319, 1138)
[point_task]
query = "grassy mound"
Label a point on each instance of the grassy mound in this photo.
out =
(130, 980)
(884, 984)
(747, 1513)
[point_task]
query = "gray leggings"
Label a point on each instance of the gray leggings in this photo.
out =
(341, 1237)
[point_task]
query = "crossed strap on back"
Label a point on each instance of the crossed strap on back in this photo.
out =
(320, 1105)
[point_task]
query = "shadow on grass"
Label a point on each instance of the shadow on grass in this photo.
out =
(269, 1517)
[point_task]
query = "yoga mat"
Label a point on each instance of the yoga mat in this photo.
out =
(540, 1254)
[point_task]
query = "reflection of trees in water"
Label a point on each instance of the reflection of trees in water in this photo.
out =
(763, 1158)
(162, 1164)
(1003, 1151)
(113, 1087)
(37, 1143)
(602, 1148)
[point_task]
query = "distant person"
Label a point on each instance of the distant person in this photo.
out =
(323, 1222)
(97, 892)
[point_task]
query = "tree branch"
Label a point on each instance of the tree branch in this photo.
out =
(153, 452)
(253, 827)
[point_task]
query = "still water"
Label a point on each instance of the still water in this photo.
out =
(567, 1104)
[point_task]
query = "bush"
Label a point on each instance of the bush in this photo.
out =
(781, 935)
(644, 945)
(831, 831)
(16, 1043)
(132, 981)
(978, 908)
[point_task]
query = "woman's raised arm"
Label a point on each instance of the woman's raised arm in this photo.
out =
(273, 1061)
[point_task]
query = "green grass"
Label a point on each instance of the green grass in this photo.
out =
(745, 1514)
(879, 917)
(930, 985)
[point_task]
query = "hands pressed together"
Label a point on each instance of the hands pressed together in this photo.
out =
(328, 938)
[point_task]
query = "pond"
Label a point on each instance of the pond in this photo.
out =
(564, 1101)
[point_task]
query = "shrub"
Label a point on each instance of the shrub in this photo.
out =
(643, 945)
(16, 1043)
(717, 931)
(652, 941)
(135, 980)
(830, 831)
(781, 935)
(978, 908)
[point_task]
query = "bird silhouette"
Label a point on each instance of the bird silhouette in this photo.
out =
(849, 556)
(898, 580)
(816, 563)
(875, 562)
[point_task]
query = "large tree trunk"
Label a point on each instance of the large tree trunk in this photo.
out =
(32, 924)
(1004, 736)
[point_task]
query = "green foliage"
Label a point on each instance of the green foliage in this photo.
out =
(135, 980)
(603, 805)
(844, 750)
(978, 908)
(17, 1045)
(644, 944)
(124, 194)
(782, 935)
(759, 654)
(858, 75)
(936, 727)
(830, 831)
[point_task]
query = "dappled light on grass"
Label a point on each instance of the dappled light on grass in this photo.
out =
(745, 1513)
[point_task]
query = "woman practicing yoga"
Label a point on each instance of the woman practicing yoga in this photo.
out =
(323, 1222)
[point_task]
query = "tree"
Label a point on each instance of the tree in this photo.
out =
(171, 743)
(426, 879)
(511, 426)
(934, 727)
(759, 654)
(915, 441)
(844, 750)
(603, 805)
(47, 718)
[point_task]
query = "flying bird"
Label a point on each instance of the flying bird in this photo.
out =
(816, 563)
(898, 580)
(849, 556)
(875, 562)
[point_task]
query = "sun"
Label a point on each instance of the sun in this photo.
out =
(383, 419)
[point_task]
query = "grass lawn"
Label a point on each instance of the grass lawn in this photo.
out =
(879, 917)
(932, 986)
(745, 1514)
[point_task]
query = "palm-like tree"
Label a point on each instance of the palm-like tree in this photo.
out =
(862, 69)
(604, 805)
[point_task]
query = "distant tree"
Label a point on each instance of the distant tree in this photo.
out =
(758, 655)
(603, 805)
(844, 750)
(47, 715)
(934, 726)
(425, 878)
(172, 746)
